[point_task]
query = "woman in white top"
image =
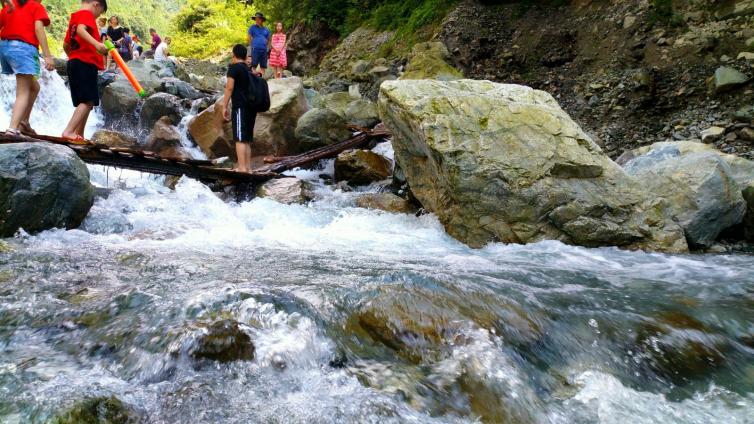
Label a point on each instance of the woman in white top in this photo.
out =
(162, 52)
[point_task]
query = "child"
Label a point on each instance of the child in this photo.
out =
(85, 51)
(102, 28)
(22, 30)
(243, 119)
(126, 46)
(278, 56)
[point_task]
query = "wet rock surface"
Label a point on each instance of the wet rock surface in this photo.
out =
(42, 186)
(361, 167)
(100, 410)
(289, 191)
(223, 341)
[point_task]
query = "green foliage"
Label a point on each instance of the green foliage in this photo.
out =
(139, 16)
(205, 28)
(664, 13)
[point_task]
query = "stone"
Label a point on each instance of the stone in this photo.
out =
(727, 78)
(105, 410)
(288, 191)
(745, 56)
(320, 127)
(211, 133)
(165, 140)
(750, 43)
(275, 130)
(746, 134)
(61, 66)
(179, 88)
(42, 186)
(336, 102)
(223, 341)
(430, 60)
(379, 71)
(387, 202)
(701, 191)
(160, 105)
(115, 139)
(745, 114)
(354, 91)
(362, 113)
(501, 162)
(629, 21)
(119, 103)
(361, 167)
(360, 67)
(363, 42)
(712, 134)
(748, 195)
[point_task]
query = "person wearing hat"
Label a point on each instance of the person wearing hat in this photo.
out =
(259, 43)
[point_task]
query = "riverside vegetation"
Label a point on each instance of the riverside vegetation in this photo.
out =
(572, 248)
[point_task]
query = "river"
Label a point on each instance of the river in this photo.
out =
(358, 316)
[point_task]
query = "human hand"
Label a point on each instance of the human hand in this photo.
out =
(248, 60)
(226, 114)
(101, 48)
(49, 63)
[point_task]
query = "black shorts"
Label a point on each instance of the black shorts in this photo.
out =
(82, 78)
(243, 124)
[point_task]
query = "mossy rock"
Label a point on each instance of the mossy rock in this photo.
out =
(99, 410)
(5, 247)
(430, 61)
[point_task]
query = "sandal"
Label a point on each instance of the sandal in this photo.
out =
(76, 140)
(26, 129)
(13, 131)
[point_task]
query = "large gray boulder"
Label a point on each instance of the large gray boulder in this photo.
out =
(212, 133)
(703, 195)
(499, 162)
(320, 127)
(275, 130)
(179, 88)
(42, 186)
(119, 102)
(165, 140)
(157, 106)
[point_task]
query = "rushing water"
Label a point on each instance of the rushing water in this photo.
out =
(361, 316)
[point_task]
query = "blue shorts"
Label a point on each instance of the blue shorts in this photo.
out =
(259, 57)
(19, 58)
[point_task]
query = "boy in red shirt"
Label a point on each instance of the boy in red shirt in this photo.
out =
(22, 30)
(85, 58)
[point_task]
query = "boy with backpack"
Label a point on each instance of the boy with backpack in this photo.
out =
(85, 58)
(250, 95)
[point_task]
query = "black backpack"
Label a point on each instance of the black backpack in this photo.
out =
(257, 94)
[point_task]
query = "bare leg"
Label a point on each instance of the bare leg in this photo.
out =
(23, 99)
(33, 93)
(248, 157)
(78, 121)
(241, 154)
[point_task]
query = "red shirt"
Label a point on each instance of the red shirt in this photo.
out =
(81, 49)
(19, 23)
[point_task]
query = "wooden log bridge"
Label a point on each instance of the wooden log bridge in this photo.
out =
(202, 170)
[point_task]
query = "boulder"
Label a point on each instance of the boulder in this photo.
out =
(320, 127)
(387, 202)
(712, 134)
(726, 79)
(361, 167)
(119, 103)
(103, 409)
(211, 133)
(165, 140)
(42, 186)
(702, 193)
(501, 162)
(160, 105)
(336, 102)
(223, 341)
(275, 131)
(430, 60)
(363, 42)
(288, 191)
(115, 139)
(179, 88)
(61, 66)
(362, 113)
(149, 73)
(748, 194)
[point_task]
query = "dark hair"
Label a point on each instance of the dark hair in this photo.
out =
(152, 30)
(102, 3)
(127, 30)
(239, 51)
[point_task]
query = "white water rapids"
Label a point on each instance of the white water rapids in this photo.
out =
(544, 333)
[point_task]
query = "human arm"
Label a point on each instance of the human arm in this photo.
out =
(39, 30)
(84, 35)
(226, 97)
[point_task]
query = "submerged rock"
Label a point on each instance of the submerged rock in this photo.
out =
(99, 410)
(320, 127)
(703, 196)
(42, 186)
(361, 167)
(500, 162)
(223, 341)
(286, 190)
(387, 202)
